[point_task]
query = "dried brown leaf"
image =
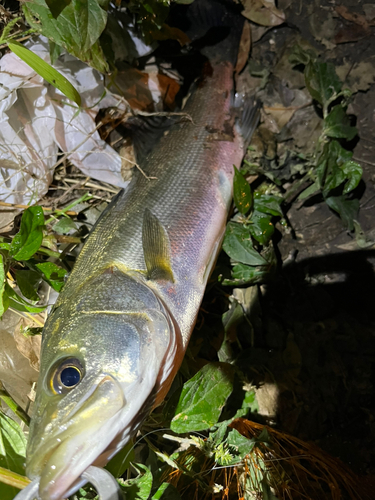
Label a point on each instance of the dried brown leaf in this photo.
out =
(28, 346)
(351, 33)
(244, 48)
(354, 17)
(263, 12)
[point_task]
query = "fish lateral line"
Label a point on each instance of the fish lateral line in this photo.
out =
(127, 313)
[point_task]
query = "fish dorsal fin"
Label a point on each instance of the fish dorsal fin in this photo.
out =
(156, 248)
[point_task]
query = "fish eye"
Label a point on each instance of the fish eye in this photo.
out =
(66, 375)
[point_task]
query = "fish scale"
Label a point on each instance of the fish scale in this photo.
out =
(124, 318)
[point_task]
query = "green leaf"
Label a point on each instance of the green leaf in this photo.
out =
(28, 282)
(54, 51)
(5, 246)
(46, 71)
(347, 209)
(353, 172)
(322, 81)
(314, 188)
(268, 204)
(240, 444)
(249, 403)
(2, 285)
(246, 275)
(77, 28)
(64, 225)
(202, 398)
(261, 227)
(18, 303)
(12, 452)
(53, 274)
(238, 245)
(300, 55)
(29, 238)
(242, 195)
(337, 124)
(166, 491)
(138, 488)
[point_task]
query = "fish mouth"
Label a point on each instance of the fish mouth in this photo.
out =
(88, 437)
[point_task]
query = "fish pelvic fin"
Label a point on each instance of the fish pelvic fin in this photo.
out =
(247, 111)
(156, 248)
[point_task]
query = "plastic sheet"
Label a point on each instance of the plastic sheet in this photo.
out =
(36, 120)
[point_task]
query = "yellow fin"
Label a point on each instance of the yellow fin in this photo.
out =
(156, 248)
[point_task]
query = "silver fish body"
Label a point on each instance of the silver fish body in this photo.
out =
(121, 325)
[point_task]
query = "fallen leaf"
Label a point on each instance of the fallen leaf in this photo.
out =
(369, 10)
(263, 12)
(351, 33)
(244, 48)
(28, 346)
(358, 77)
(168, 33)
(354, 17)
(258, 31)
(168, 89)
(127, 159)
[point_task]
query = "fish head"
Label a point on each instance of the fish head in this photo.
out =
(105, 356)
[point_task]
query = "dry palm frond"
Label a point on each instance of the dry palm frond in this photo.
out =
(285, 468)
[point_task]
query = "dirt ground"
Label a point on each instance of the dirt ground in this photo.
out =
(318, 323)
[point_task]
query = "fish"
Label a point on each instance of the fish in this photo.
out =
(117, 334)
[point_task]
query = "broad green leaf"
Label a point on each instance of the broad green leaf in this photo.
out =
(249, 404)
(28, 282)
(230, 319)
(268, 204)
(238, 245)
(4, 246)
(313, 189)
(322, 81)
(18, 303)
(53, 274)
(140, 487)
(12, 452)
(29, 238)
(46, 71)
(54, 51)
(353, 172)
(2, 285)
(261, 227)
(242, 195)
(64, 225)
(337, 124)
(240, 444)
(246, 275)
(202, 398)
(77, 28)
(347, 209)
(166, 491)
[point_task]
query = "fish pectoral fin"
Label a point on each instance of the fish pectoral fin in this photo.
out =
(156, 248)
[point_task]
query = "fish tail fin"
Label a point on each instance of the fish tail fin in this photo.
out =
(215, 28)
